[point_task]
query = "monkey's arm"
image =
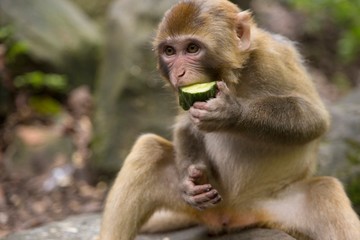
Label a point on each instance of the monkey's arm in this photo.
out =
(194, 169)
(283, 119)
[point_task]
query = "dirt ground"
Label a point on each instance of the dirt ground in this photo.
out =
(44, 173)
(25, 204)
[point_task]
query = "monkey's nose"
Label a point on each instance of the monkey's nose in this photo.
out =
(181, 73)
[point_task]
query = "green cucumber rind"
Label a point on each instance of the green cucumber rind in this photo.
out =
(186, 100)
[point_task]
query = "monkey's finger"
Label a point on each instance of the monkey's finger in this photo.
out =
(198, 189)
(223, 88)
(205, 197)
(207, 106)
(209, 204)
(216, 200)
(204, 201)
(198, 113)
(200, 105)
(210, 106)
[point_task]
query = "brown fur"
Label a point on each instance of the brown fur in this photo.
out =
(243, 158)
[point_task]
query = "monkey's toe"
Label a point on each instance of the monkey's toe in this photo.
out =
(204, 200)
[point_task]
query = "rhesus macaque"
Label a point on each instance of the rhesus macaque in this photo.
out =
(243, 158)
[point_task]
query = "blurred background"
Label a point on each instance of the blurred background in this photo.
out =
(78, 84)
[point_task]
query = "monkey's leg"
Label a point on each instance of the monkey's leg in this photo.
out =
(318, 208)
(147, 181)
(166, 220)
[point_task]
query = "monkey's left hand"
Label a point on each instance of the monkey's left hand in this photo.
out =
(217, 113)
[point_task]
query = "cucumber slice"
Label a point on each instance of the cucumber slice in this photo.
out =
(196, 93)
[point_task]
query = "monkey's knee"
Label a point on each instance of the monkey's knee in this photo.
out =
(150, 168)
(152, 160)
(328, 192)
(326, 187)
(150, 148)
(331, 207)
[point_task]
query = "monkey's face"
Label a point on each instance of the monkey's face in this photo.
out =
(182, 61)
(201, 41)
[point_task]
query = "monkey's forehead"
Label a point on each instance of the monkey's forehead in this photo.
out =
(198, 17)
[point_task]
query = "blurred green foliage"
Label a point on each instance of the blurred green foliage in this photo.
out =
(353, 189)
(41, 81)
(353, 184)
(44, 105)
(14, 48)
(353, 154)
(342, 13)
(43, 88)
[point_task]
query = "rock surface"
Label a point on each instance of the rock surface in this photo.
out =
(57, 32)
(86, 227)
(340, 152)
(129, 96)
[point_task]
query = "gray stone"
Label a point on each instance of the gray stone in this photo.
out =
(129, 96)
(50, 29)
(86, 227)
(57, 32)
(340, 151)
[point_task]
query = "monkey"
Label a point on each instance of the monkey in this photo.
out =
(246, 157)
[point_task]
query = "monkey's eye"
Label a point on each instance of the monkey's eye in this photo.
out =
(192, 48)
(169, 51)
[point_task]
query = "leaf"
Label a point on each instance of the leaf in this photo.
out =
(15, 50)
(38, 80)
(45, 105)
(5, 32)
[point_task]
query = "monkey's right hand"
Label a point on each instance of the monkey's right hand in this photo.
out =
(199, 196)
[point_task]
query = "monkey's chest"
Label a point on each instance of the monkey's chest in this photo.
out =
(245, 169)
(228, 148)
(232, 154)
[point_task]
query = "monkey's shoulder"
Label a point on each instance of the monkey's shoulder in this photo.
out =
(267, 42)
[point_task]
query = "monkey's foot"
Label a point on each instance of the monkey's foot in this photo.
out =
(204, 197)
(199, 196)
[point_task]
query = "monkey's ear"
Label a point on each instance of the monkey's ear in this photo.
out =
(243, 24)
